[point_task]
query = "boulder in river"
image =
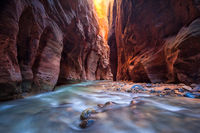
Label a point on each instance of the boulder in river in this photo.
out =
(87, 123)
(86, 114)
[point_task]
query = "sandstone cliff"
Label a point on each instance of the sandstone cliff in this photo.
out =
(156, 40)
(45, 42)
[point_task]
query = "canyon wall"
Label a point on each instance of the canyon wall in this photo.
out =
(48, 42)
(155, 40)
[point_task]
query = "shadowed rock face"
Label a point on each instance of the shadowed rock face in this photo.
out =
(43, 43)
(156, 40)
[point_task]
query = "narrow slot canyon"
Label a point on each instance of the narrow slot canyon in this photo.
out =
(75, 65)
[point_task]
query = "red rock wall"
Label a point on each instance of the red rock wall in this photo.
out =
(156, 40)
(43, 43)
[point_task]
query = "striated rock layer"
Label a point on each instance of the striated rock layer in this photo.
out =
(44, 43)
(156, 40)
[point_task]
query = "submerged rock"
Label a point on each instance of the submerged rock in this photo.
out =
(87, 123)
(100, 105)
(133, 102)
(87, 118)
(108, 104)
(86, 114)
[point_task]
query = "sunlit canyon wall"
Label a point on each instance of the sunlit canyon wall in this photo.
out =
(48, 42)
(155, 40)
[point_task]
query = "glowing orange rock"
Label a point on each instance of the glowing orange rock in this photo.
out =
(101, 7)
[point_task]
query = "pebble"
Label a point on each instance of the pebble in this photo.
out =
(100, 105)
(108, 103)
(148, 85)
(166, 89)
(181, 90)
(118, 89)
(172, 91)
(152, 91)
(158, 91)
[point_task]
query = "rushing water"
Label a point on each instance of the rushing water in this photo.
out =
(59, 112)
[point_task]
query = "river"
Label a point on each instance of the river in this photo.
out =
(59, 112)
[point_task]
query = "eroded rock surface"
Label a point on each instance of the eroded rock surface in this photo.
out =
(43, 43)
(156, 40)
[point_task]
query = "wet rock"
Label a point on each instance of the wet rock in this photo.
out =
(100, 105)
(118, 89)
(172, 91)
(133, 102)
(158, 91)
(108, 103)
(187, 88)
(181, 90)
(152, 91)
(87, 123)
(192, 95)
(138, 88)
(166, 89)
(149, 85)
(166, 93)
(86, 114)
